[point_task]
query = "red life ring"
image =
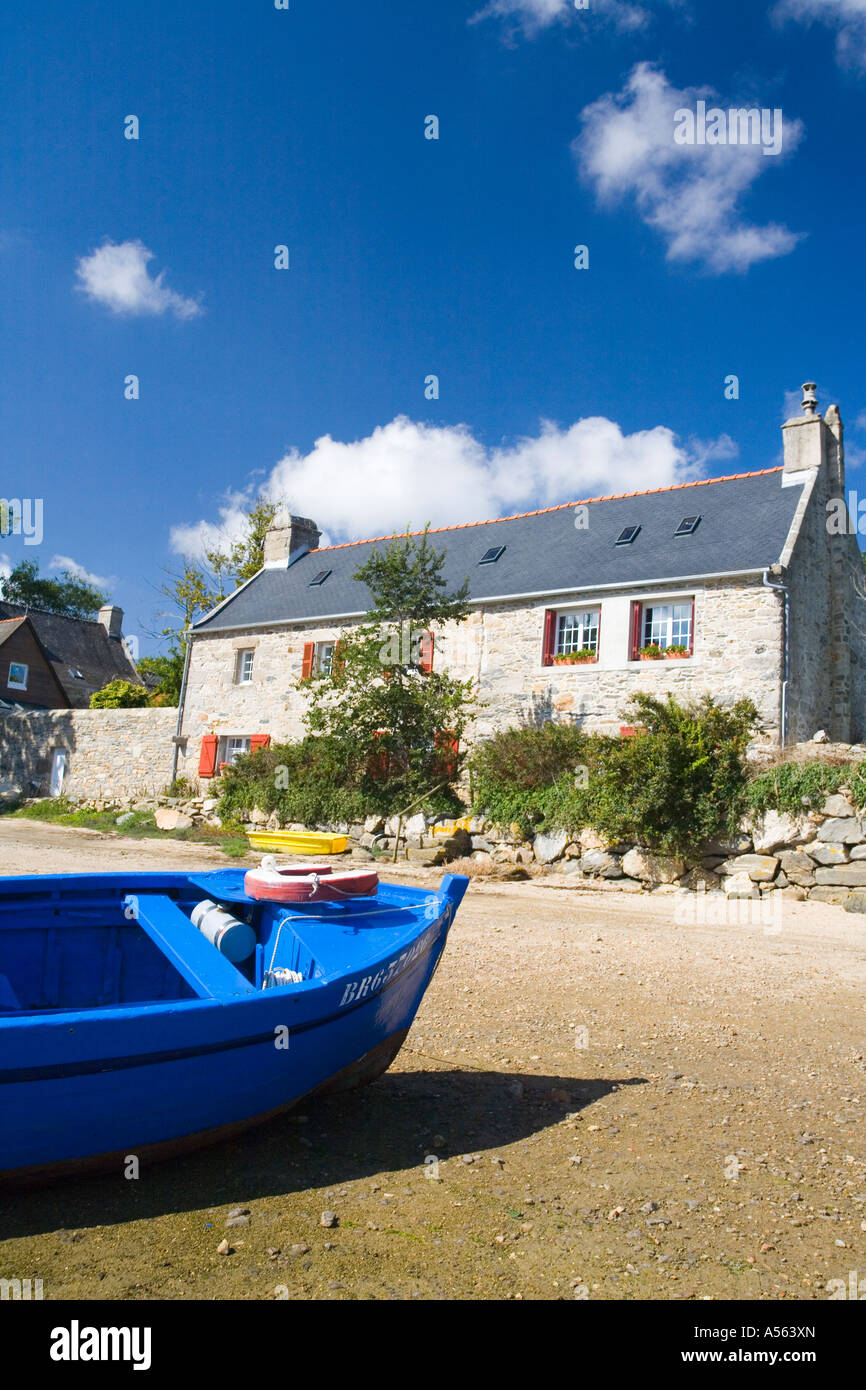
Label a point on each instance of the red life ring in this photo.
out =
(307, 883)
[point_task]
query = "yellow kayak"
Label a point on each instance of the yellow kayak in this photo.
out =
(297, 842)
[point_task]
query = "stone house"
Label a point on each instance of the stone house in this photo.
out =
(733, 586)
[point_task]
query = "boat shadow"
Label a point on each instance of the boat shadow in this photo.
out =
(401, 1124)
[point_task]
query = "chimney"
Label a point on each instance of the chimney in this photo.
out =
(806, 436)
(111, 619)
(287, 535)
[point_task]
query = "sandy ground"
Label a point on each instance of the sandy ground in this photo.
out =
(597, 1100)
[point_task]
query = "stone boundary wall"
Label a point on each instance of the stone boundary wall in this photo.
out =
(112, 755)
(819, 855)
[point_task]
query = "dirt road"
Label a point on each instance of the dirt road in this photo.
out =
(596, 1101)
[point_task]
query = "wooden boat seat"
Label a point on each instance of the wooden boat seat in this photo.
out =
(192, 955)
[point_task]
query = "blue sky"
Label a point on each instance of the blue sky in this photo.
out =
(409, 257)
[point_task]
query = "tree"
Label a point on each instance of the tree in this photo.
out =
(119, 694)
(199, 588)
(396, 718)
(245, 557)
(70, 596)
(167, 675)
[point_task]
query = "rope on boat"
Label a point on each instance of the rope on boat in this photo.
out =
(302, 917)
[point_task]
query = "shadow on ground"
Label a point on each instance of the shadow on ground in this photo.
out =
(386, 1127)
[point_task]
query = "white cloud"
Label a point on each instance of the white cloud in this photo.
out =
(196, 539)
(5, 569)
(689, 194)
(408, 473)
(64, 564)
(534, 15)
(116, 275)
(847, 17)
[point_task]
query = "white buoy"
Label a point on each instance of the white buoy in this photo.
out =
(233, 939)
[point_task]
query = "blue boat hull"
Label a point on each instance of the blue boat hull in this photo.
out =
(90, 1087)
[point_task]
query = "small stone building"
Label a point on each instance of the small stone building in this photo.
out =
(742, 585)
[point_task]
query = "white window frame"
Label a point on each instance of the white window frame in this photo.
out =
(227, 752)
(323, 657)
(667, 637)
(586, 610)
(18, 684)
(244, 665)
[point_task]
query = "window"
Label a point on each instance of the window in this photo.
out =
(218, 751)
(571, 635)
(17, 679)
(577, 632)
(627, 535)
(230, 747)
(318, 659)
(687, 526)
(665, 626)
(244, 666)
(492, 555)
(75, 673)
(324, 658)
(318, 578)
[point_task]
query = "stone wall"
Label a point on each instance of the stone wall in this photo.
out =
(818, 854)
(823, 568)
(737, 652)
(117, 755)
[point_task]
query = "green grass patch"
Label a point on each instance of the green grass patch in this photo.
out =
(799, 787)
(59, 810)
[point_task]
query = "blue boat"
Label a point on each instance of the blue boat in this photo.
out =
(125, 1031)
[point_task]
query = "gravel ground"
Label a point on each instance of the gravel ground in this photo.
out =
(596, 1101)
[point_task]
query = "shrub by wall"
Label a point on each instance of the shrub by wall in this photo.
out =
(316, 781)
(679, 781)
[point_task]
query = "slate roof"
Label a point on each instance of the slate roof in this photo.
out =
(745, 520)
(75, 644)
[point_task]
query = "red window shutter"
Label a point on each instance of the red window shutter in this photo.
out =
(309, 658)
(636, 620)
(549, 646)
(208, 756)
(425, 652)
(445, 764)
(259, 741)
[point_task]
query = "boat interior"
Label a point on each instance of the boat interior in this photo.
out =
(99, 941)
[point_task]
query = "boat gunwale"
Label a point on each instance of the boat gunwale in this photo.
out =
(296, 990)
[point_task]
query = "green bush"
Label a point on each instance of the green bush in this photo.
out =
(677, 783)
(529, 776)
(316, 781)
(680, 780)
(119, 694)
